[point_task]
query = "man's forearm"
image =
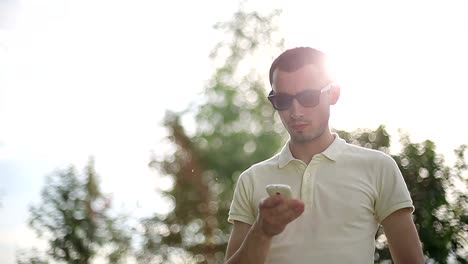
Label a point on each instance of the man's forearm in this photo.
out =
(254, 249)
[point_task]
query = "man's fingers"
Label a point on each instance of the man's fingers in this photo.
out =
(277, 212)
(297, 205)
(282, 211)
(295, 213)
(294, 210)
(271, 202)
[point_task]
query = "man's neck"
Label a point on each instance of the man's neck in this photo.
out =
(305, 151)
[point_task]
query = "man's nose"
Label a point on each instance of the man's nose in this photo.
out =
(296, 110)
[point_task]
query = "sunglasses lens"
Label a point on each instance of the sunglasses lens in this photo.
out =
(308, 98)
(282, 101)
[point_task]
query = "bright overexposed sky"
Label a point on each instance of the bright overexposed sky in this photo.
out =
(81, 78)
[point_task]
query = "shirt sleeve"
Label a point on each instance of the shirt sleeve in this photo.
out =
(241, 206)
(393, 193)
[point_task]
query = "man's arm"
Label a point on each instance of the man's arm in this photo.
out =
(403, 238)
(245, 244)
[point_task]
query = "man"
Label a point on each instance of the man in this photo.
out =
(343, 191)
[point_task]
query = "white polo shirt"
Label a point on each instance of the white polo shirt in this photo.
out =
(348, 190)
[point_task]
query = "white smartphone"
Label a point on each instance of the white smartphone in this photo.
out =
(279, 189)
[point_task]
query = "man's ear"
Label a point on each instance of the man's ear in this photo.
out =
(334, 94)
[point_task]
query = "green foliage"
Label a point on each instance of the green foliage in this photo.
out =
(74, 218)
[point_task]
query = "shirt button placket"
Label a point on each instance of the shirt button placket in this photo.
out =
(308, 182)
(307, 186)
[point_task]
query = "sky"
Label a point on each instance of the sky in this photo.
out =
(94, 78)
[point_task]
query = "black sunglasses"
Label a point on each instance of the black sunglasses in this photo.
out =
(307, 98)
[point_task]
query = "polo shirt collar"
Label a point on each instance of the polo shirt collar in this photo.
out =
(335, 148)
(285, 156)
(332, 152)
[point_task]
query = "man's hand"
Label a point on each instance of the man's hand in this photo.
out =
(275, 213)
(250, 244)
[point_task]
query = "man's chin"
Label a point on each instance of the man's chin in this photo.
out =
(304, 138)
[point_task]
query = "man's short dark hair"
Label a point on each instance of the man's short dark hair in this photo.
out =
(293, 59)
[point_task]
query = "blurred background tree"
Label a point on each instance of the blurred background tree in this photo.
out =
(74, 218)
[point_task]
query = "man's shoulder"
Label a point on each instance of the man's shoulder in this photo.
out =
(271, 162)
(355, 152)
(268, 164)
(357, 159)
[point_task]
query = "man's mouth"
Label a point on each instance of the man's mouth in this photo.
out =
(299, 126)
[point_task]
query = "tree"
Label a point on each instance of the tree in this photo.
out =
(75, 218)
(233, 121)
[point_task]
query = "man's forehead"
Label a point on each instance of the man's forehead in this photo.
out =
(309, 75)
